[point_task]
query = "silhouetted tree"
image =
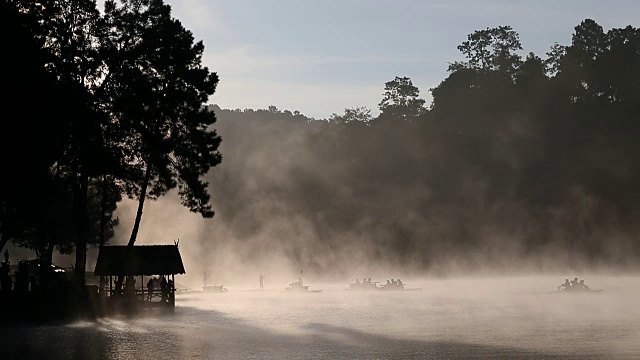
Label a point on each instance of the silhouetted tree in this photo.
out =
(158, 87)
(491, 49)
(400, 99)
(360, 113)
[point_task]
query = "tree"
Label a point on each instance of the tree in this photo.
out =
(157, 90)
(32, 138)
(491, 49)
(360, 113)
(400, 99)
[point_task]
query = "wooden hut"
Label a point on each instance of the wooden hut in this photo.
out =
(132, 263)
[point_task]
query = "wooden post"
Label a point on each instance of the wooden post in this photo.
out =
(172, 293)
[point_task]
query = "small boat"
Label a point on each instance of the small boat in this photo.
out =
(296, 287)
(214, 289)
(561, 290)
(575, 287)
(363, 286)
(396, 286)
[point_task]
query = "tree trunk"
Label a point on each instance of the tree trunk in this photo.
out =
(45, 266)
(81, 186)
(4, 238)
(102, 206)
(143, 194)
(136, 224)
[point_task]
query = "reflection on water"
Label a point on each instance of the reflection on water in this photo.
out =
(489, 318)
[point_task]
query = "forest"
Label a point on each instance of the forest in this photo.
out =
(519, 158)
(520, 162)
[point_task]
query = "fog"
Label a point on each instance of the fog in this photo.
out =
(284, 204)
(460, 318)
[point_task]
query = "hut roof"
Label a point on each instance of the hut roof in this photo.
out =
(139, 260)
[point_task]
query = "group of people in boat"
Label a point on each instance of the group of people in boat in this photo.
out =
(298, 283)
(573, 285)
(367, 283)
(394, 284)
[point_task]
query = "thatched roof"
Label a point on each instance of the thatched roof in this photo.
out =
(139, 260)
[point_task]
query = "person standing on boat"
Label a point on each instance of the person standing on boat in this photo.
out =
(261, 281)
(149, 289)
(204, 279)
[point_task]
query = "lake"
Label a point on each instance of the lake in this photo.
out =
(482, 318)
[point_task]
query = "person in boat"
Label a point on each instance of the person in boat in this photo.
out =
(299, 281)
(574, 284)
(583, 286)
(399, 282)
(566, 284)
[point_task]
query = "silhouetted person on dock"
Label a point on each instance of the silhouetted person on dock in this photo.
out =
(163, 288)
(33, 283)
(5, 279)
(261, 281)
(149, 289)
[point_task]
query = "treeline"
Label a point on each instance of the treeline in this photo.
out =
(519, 160)
(98, 105)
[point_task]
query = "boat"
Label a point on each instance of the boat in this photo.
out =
(214, 289)
(396, 287)
(575, 287)
(586, 290)
(297, 287)
(373, 285)
(364, 286)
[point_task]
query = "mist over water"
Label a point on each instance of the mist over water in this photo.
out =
(499, 318)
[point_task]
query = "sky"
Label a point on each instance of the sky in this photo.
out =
(320, 57)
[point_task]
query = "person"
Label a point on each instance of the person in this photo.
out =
(149, 289)
(163, 288)
(6, 256)
(574, 284)
(261, 281)
(204, 279)
(33, 283)
(357, 281)
(300, 280)
(583, 286)
(388, 282)
(566, 284)
(399, 282)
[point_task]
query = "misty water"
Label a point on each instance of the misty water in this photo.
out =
(510, 318)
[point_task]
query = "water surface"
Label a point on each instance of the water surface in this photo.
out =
(501, 318)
